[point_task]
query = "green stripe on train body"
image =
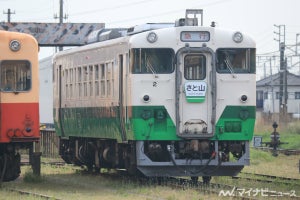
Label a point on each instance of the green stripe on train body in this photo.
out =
(92, 122)
(143, 123)
(236, 123)
(148, 123)
(153, 123)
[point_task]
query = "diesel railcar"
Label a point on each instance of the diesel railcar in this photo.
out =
(19, 100)
(162, 99)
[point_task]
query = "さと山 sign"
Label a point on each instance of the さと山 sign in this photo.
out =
(195, 91)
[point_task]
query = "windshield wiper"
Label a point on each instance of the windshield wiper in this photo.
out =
(229, 65)
(149, 66)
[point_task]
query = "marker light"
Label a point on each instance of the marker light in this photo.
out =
(237, 37)
(146, 98)
(244, 98)
(152, 37)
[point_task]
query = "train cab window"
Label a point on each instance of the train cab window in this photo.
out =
(236, 60)
(194, 67)
(152, 61)
(15, 76)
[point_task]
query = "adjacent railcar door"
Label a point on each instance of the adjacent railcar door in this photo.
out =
(121, 98)
(195, 93)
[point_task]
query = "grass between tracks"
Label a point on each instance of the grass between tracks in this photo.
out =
(67, 182)
(264, 163)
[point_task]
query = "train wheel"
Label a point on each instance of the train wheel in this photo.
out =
(194, 179)
(206, 179)
(11, 167)
(3, 166)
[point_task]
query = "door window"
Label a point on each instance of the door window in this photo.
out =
(194, 67)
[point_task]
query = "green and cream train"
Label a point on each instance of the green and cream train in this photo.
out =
(160, 99)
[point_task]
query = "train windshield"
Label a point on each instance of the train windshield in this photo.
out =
(15, 76)
(152, 61)
(236, 60)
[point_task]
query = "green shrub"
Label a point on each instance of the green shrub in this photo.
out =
(29, 177)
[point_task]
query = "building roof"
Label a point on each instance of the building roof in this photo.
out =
(292, 80)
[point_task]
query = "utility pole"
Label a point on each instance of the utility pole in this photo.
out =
(298, 34)
(8, 13)
(61, 17)
(272, 86)
(282, 73)
(296, 52)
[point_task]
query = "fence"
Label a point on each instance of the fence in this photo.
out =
(49, 143)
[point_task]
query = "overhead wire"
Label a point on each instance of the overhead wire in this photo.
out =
(148, 16)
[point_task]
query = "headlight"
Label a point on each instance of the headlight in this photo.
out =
(152, 37)
(15, 45)
(237, 37)
(146, 114)
(244, 114)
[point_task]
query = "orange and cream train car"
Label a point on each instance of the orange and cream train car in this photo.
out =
(19, 100)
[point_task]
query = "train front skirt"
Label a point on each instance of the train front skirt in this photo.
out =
(191, 167)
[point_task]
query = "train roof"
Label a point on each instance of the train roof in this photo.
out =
(104, 36)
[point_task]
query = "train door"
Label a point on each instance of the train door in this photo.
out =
(121, 97)
(195, 86)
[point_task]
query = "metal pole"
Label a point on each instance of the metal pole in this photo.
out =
(281, 80)
(272, 88)
(297, 43)
(285, 91)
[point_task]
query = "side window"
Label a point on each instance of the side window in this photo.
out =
(236, 60)
(97, 80)
(15, 76)
(152, 61)
(194, 67)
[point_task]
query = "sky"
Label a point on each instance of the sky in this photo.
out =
(254, 17)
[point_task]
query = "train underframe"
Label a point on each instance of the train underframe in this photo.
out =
(192, 158)
(10, 160)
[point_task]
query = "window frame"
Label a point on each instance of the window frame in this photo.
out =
(136, 62)
(250, 60)
(204, 68)
(297, 95)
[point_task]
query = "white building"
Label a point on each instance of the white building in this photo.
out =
(268, 94)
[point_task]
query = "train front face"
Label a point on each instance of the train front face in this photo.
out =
(193, 96)
(19, 108)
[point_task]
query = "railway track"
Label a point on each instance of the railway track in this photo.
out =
(56, 163)
(33, 194)
(282, 151)
(218, 189)
(268, 178)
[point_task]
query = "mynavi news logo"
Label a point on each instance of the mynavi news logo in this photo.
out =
(253, 192)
